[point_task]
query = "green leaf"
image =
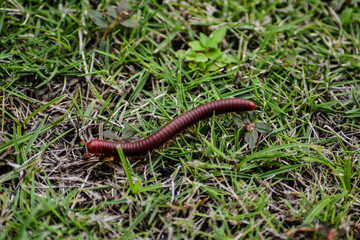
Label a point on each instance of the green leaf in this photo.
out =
(318, 209)
(204, 40)
(200, 57)
(322, 161)
(98, 19)
(220, 64)
(2, 19)
(192, 66)
(327, 107)
(215, 149)
(212, 67)
(202, 66)
(196, 46)
(49, 78)
(129, 23)
(346, 16)
(128, 133)
(140, 85)
(190, 55)
(123, 5)
(280, 170)
(229, 58)
(251, 138)
(190, 58)
(111, 11)
(111, 135)
(126, 166)
(34, 136)
(218, 35)
(239, 122)
(180, 53)
(251, 117)
(269, 35)
(347, 173)
(135, 189)
(213, 53)
(262, 127)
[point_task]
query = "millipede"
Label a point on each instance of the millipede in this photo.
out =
(164, 134)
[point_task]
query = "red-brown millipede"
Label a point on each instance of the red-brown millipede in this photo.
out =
(106, 148)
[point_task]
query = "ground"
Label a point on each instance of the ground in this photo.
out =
(80, 70)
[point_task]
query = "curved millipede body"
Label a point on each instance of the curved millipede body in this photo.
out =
(106, 148)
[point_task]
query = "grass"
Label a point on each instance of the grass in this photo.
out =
(74, 71)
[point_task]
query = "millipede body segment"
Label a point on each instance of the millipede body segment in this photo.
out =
(141, 147)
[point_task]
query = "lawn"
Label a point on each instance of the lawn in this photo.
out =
(74, 71)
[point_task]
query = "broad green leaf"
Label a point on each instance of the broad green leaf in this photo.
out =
(111, 135)
(98, 19)
(190, 55)
(204, 40)
(202, 66)
(251, 117)
(111, 10)
(251, 138)
(200, 57)
(229, 58)
(192, 65)
(262, 127)
(129, 23)
(128, 133)
(213, 53)
(239, 122)
(196, 46)
(218, 35)
(211, 45)
(220, 64)
(181, 53)
(190, 58)
(123, 5)
(346, 16)
(213, 67)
